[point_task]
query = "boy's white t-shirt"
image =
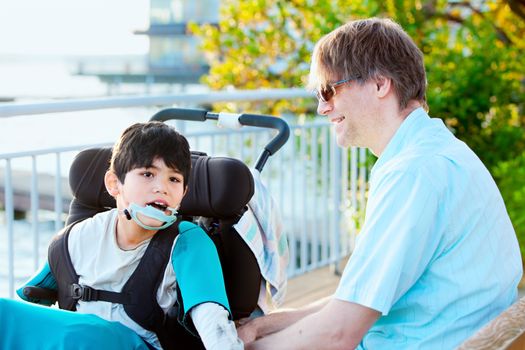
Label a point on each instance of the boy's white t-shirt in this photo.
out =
(102, 264)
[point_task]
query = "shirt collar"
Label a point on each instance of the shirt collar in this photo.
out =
(402, 136)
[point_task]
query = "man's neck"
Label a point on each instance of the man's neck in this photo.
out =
(390, 123)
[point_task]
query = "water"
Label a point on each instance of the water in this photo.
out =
(43, 77)
(24, 257)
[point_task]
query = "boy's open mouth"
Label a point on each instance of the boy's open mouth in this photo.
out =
(158, 205)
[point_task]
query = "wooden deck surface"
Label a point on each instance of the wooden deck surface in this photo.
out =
(310, 287)
(322, 282)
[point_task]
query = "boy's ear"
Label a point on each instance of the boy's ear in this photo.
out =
(111, 181)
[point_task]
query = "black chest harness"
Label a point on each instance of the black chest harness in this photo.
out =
(139, 294)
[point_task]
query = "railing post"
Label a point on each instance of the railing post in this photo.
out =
(353, 195)
(292, 241)
(34, 212)
(58, 194)
(335, 166)
(316, 227)
(305, 228)
(344, 159)
(325, 178)
(9, 212)
(362, 183)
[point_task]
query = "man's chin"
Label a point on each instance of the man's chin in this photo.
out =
(343, 141)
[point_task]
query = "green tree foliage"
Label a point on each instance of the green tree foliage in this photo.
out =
(474, 55)
(268, 43)
(511, 182)
(475, 72)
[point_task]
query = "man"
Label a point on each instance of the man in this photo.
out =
(437, 257)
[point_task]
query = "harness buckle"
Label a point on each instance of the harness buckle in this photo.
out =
(80, 292)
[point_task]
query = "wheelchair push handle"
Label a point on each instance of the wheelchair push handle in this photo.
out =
(232, 120)
(195, 115)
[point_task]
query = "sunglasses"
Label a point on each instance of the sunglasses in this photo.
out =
(325, 93)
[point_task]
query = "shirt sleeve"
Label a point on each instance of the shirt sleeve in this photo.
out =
(216, 330)
(396, 243)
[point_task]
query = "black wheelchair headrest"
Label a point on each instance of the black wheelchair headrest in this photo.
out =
(218, 187)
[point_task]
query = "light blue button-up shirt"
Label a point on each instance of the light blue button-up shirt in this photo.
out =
(437, 255)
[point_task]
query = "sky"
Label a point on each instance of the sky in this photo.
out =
(73, 27)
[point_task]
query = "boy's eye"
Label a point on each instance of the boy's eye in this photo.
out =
(175, 179)
(147, 174)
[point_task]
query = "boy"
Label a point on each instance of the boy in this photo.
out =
(150, 165)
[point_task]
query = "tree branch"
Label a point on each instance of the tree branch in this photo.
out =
(499, 31)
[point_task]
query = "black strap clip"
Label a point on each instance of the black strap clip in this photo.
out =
(84, 293)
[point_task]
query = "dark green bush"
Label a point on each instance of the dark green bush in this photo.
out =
(510, 176)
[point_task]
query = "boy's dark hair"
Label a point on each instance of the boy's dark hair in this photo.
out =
(141, 143)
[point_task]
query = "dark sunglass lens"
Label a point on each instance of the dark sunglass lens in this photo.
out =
(326, 92)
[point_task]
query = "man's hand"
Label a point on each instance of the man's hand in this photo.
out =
(337, 325)
(247, 330)
(250, 330)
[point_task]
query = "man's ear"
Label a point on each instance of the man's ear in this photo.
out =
(111, 181)
(383, 85)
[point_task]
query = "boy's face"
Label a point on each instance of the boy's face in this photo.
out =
(158, 185)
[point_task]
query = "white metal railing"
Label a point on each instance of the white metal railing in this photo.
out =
(17, 109)
(318, 186)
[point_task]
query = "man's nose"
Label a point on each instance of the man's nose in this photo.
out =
(323, 108)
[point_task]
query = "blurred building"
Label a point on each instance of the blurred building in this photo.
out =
(174, 56)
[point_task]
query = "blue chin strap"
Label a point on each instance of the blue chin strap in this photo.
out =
(151, 212)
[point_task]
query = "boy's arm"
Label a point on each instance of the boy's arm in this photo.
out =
(197, 269)
(202, 291)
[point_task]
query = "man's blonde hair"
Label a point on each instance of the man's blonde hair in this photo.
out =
(369, 48)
